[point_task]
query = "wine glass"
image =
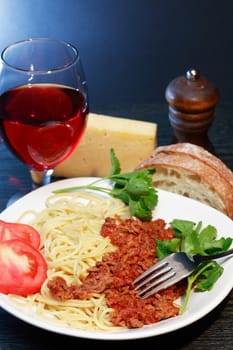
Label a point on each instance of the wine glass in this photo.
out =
(43, 103)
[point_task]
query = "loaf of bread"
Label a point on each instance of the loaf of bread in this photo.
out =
(190, 170)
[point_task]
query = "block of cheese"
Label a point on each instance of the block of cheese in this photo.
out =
(132, 141)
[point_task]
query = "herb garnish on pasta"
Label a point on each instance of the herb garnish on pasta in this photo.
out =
(133, 188)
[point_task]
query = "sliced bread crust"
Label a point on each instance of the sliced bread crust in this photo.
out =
(192, 171)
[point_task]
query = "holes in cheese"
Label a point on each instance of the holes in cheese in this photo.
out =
(132, 140)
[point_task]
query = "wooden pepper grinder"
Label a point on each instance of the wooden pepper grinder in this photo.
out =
(192, 99)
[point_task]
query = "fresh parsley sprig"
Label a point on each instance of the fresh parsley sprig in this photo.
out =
(191, 238)
(134, 188)
(203, 279)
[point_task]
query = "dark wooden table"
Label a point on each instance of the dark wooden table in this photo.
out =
(214, 331)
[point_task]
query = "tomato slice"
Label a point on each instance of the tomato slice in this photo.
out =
(11, 230)
(23, 268)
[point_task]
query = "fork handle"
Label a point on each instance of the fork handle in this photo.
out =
(200, 258)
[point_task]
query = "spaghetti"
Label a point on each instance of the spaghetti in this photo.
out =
(94, 250)
(71, 243)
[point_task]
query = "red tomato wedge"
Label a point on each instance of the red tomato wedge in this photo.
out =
(11, 230)
(23, 268)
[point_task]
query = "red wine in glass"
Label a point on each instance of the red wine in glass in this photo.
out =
(42, 123)
(43, 103)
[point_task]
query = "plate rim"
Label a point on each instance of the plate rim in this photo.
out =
(160, 328)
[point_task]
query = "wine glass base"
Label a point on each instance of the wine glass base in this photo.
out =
(16, 197)
(39, 178)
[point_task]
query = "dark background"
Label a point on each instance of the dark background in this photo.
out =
(132, 49)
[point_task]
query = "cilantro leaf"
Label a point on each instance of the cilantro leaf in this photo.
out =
(134, 188)
(202, 279)
(116, 168)
(182, 227)
(209, 275)
(191, 238)
(199, 240)
(164, 248)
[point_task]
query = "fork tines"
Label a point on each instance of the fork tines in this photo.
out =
(157, 277)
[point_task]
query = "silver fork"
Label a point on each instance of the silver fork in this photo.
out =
(170, 270)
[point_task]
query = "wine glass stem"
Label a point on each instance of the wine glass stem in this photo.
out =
(40, 178)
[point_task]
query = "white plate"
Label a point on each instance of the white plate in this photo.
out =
(170, 206)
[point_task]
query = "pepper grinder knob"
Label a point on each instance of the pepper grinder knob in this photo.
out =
(192, 99)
